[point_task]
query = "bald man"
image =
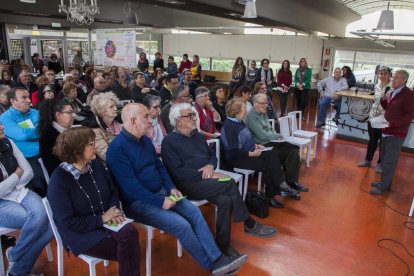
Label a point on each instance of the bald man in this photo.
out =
(147, 190)
(100, 85)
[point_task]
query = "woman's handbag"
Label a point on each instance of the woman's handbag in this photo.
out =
(258, 204)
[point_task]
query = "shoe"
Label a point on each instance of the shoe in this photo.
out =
(378, 168)
(379, 190)
(11, 263)
(336, 121)
(319, 125)
(7, 241)
(288, 192)
(364, 163)
(228, 251)
(274, 203)
(295, 197)
(226, 265)
(297, 186)
(260, 230)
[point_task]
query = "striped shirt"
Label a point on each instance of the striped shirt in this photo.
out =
(329, 86)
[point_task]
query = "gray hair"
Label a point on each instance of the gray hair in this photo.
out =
(4, 89)
(178, 90)
(256, 97)
(175, 112)
(150, 99)
(404, 73)
(101, 102)
(201, 90)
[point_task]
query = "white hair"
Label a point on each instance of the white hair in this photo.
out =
(66, 76)
(175, 112)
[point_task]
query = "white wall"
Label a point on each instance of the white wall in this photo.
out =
(275, 48)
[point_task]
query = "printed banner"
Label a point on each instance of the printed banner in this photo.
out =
(116, 47)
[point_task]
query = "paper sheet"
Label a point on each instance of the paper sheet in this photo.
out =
(119, 226)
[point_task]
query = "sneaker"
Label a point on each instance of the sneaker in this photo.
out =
(364, 163)
(11, 263)
(228, 250)
(378, 168)
(298, 187)
(226, 265)
(260, 230)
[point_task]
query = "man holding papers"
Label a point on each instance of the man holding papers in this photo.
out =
(263, 134)
(146, 188)
(20, 125)
(399, 111)
(191, 163)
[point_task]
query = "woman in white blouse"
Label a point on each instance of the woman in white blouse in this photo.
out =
(21, 208)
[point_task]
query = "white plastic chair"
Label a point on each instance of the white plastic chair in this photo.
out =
(411, 209)
(298, 132)
(45, 173)
(92, 261)
(286, 133)
(4, 231)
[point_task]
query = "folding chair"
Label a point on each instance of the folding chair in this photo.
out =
(298, 132)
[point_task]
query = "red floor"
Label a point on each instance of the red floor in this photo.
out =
(333, 230)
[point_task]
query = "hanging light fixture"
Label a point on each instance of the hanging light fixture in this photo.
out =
(131, 16)
(80, 11)
(386, 20)
(250, 9)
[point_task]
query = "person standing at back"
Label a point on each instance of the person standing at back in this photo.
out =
(303, 77)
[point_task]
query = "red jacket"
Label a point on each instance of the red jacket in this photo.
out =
(399, 112)
(184, 65)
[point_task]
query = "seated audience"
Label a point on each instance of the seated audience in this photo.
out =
(349, 76)
(284, 81)
(51, 80)
(140, 89)
(156, 82)
(90, 76)
(120, 87)
(196, 70)
(158, 62)
(156, 132)
(327, 88)
(251, 74)
(191, 164)
(143, 64)
(45, 92)
(171, 81)
(54, 64)
(70, 92)
(179, 94)
(83, 199)
(100, 86)
(237, 76)
(260, 87)
(192, 85)
(25, 82)
(147, 188)
(4, 101)
(245, 95)
(206, 113)
(218, 99)
(263, 134)
(106, 123)
(184, 64)
(171, 66)
(6, 78)
(20, 125)
(242, 152)
(54, 117)
(22, 209)
(265, 75)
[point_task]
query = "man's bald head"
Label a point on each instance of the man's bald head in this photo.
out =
(135, 118)
(99, 84)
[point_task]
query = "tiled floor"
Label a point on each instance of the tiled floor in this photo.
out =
(333, 230)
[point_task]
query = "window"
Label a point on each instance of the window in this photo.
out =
(222, 65)
(205, 63)
(150, 48)
(16, 46)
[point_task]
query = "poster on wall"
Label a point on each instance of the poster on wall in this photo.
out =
(116, 47)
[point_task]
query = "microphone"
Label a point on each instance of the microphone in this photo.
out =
(387, 89)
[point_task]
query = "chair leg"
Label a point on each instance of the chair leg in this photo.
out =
(106, 263)
(179, 249)
(308, 155)
(246, 183)
(259, 182)
(61, 270)
(412, 209)
(150, 233)
(2, 268)
(49, 253)
(92, 269)
(314, 147)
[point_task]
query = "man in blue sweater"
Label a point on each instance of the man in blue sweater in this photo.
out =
(20, 125)
(146, 189)
(191, 164)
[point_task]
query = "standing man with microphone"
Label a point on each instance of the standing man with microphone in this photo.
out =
(399, 111)
(375, 134)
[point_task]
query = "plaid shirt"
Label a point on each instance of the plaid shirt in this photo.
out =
(329, 86)
(73, 170)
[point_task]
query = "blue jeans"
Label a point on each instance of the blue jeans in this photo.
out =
(183, 221)
(29, 216)
(323, 105)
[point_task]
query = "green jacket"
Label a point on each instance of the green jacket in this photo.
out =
(260, 127)
(308, 78)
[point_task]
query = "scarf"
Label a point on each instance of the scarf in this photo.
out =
(266, 75)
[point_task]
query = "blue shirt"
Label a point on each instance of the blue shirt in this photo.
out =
(26, 139)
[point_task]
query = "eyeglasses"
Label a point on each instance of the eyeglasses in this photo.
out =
(191, 115)
(263, 103)
(69, 112)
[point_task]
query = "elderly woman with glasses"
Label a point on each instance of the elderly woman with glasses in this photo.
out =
(207, 114)
(157, 130)
(106, 123)
(55, 117)
(241, 151)
(83, 200)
